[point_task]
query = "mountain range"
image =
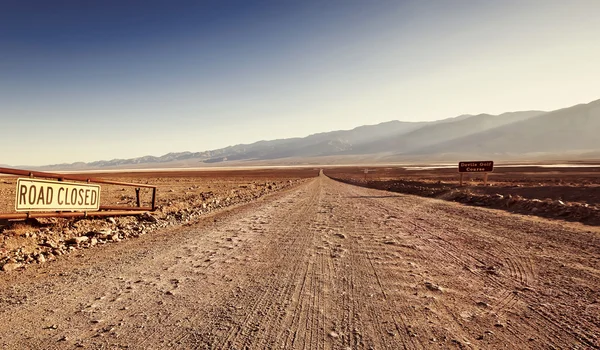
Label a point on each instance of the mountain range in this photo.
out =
(567, 133)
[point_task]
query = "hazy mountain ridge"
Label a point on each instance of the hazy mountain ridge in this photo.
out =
(570, 131)
(565, 130)
(444, 130)
(320, 144)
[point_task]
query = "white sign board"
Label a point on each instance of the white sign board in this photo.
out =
(45, 195)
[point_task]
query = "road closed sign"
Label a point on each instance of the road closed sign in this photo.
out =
(45, 195)
(476, 167)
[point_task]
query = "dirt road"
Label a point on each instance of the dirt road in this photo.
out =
(322, 266)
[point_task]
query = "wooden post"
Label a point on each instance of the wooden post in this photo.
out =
(485, 178)
(137, 194)
(461, 179)
(154, 197)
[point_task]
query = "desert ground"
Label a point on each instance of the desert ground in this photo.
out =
(298, 260)
(565, 192)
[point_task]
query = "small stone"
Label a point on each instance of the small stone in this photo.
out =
(333, 334)
(150, 218)
(77, 240)
(112, 221)
(101, 234)
(11, 266)
(433, 287)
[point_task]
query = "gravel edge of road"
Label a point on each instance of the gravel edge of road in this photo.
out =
(84, 233)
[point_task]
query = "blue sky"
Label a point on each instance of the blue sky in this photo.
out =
(91, 80)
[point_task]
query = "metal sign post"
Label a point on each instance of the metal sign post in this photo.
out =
(485, 167)
(37, 198)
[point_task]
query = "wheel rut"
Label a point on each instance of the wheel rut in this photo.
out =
(322, 266)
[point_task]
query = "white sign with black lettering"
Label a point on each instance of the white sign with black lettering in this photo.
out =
(45, 195)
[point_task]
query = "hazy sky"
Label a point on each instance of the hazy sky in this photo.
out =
(91, 80)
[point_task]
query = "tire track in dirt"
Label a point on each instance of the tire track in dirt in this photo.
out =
(520, 275)
(289, 265)
(322, 266)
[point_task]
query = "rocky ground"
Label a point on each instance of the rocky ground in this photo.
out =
(182, 198)
(551, 193)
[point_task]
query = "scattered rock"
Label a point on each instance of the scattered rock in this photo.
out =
(57, 237)
(433, 287)
(150, 218)
(77, 240)
(11, 266)
(340, 235)
(100, 234)
(483, 304)
(333, 334)
(49, 244)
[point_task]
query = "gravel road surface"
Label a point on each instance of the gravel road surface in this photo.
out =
(324, 265)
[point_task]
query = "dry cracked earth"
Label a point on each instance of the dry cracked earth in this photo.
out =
(323, 265)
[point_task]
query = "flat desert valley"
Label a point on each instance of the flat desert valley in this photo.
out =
(311, 258)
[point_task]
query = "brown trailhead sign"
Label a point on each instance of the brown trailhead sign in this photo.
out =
(44, 195)
(476, 167)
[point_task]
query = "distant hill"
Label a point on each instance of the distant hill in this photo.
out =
(322, 144)
(570, 132)
(442, 131)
